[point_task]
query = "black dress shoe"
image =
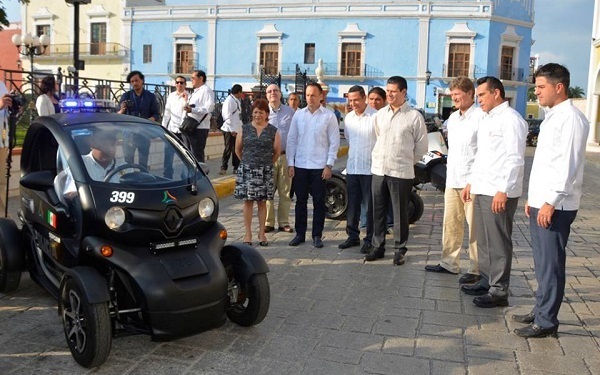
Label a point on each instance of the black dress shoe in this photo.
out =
(376, 253)
(438, 268)
(533, 330)
(526, 318)
(474, 290)
(488, 301)
(286, 228)
(469, 278)
(366, 248)
(399, 258)
(297, 241)
(269, 229)
(317, 242)
(349, 243)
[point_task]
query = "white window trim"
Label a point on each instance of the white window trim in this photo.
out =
(352, 34)
(183, 35)
(43, 17)
(510, 38)
(269, 35)
(460, 34)
(98, 15)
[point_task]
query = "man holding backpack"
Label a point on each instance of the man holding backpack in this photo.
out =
(232, 123)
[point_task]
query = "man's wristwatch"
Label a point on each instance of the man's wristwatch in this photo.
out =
(329, 166)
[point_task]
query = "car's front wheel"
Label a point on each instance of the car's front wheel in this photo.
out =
(249, 301)
(11, 256)
(336, 198)
(415, 207)
(87, 326)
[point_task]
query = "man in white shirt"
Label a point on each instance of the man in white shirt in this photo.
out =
(232, 124)
(311, 150)
(280, 116)
(497, 180)
(203, 101)
(360, 133)
(172, 118)
(553, 196)
(462, 135)
(401, 142)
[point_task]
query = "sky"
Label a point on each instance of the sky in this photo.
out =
(562, 34)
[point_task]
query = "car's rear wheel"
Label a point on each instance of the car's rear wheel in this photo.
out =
(251, 300)
(12, 258)
(87, 326)
(336, 198)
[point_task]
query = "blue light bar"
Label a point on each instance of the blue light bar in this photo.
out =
(87, 105)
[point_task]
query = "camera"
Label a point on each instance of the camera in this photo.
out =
(18, 102)
(128, 104)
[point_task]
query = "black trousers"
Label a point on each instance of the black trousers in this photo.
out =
(229, 150)
(549, 258)
(309, 181)
(386, 190)
(196, 142)
(359, 191)
(134, 141)
(168, 159)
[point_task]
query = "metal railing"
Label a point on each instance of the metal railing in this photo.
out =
(86, 49)
(511, 74)
(27, 85)
(331, 69)
(188, 68)
(474, 71)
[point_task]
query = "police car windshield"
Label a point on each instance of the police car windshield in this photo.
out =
(132, 153)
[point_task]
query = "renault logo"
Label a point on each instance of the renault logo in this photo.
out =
(173, 219)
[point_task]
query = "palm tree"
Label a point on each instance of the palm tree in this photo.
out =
(576, 92)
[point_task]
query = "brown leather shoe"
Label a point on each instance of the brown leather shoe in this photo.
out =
(286, 228)
(269, 229)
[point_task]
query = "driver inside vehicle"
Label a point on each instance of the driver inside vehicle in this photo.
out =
(99, 162)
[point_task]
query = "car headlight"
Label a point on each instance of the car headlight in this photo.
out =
(206, 207)
(114, 218)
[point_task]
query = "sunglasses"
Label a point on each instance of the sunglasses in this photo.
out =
(180, 82)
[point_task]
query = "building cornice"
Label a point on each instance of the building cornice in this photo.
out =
(410, 9)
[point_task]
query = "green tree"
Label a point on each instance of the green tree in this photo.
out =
(3, 16)
(576, 92)
(531, 94)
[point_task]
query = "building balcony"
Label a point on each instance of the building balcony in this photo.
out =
(332, 70)
(472, 71)
(512, 74)
(183, 68)
(87, 50)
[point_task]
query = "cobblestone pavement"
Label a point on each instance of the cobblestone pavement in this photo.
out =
(332, 314)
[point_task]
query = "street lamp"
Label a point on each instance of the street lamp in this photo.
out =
(427, 77)
(31, 46)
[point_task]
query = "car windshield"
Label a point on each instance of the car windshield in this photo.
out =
(131, 153)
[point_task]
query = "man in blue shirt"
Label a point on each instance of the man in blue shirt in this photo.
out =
(140, 103)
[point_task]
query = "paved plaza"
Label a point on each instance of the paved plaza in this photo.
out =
(333, 314)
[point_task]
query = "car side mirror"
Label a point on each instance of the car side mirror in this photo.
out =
(40, 180)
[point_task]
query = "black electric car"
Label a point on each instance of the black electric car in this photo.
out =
(125, 247)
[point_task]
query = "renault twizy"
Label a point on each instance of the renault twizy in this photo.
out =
(124, 246)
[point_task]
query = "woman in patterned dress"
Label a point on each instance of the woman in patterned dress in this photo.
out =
(257, 146)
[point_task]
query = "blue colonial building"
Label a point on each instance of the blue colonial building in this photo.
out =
(360, 42)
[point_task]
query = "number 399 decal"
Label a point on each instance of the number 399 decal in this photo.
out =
(122, 197)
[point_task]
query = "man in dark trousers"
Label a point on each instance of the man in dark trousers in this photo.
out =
(311, 150)
(142, 103)
(553, 196)
(232, 124)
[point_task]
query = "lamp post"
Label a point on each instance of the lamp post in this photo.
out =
(31, 46)
(427, 78)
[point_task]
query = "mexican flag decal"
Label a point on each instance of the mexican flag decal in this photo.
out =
(51, 218)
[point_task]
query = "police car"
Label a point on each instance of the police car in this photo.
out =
(125, 245)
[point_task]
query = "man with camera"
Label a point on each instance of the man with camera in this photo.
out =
(140, 103)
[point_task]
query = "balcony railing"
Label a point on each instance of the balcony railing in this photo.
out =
(184, 68)
(511, 74)
(331, 69)
(87, 49)
(473, 72)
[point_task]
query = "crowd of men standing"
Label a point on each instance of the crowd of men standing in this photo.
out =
(485, 170)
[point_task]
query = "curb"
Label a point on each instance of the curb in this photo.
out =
(224, 186)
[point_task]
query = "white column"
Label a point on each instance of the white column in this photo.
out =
(211, 56)
(422, 59)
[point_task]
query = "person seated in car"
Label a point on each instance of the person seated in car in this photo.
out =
(100, 162)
